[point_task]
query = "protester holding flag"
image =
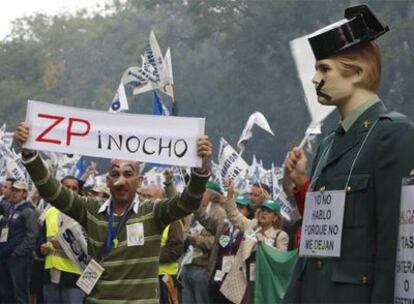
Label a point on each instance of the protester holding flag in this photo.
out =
(238, 286)
(123, 233)
(360, 167)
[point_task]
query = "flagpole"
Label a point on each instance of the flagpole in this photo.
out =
(304, 140)
(174, 108)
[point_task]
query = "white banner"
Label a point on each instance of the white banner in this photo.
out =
(231, 164)
(305, 65)
(72, 239)
(322, 224)
(148, 138)
(404, 275)
(285, 207)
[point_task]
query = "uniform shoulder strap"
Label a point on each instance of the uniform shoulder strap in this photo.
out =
(394, 116)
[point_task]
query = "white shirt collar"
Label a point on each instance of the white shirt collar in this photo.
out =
(135, 206)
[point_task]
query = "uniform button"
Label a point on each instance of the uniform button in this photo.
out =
(364, 279)
(322, 189)
(319, 264)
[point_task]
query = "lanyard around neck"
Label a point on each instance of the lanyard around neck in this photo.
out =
(111, 235)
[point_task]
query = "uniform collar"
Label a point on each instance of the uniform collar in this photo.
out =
(356, 113)
(135, 205)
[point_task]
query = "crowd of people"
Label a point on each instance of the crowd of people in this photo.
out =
(199, 258)
(154, 245)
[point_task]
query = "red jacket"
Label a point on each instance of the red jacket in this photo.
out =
(300, 195)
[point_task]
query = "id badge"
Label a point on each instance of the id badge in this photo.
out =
(4, 235)
(90, 276)
(228, 261)
(55, 276)
(224, 240)
(252, 272)
(135, 234)
(219, 275)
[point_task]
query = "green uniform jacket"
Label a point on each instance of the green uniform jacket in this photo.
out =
(131, 273)
(365, 271)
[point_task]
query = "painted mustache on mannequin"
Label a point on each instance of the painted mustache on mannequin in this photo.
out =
(322, 94)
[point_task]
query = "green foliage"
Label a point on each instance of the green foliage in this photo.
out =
(230, 59)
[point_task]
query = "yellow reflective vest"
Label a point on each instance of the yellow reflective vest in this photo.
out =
(168, 268)
(56, 258)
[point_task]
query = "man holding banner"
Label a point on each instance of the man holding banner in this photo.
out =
(123, 234)
(350, 221)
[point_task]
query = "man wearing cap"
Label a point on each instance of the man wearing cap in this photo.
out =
(123, 233)
(19, 230)
(364, 160)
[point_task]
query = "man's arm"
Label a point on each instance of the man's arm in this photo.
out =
(189, 201)
(209, 221)
(180, 206)
(234, 215)
(56, 194)
(49, 188)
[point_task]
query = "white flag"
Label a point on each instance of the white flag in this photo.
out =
(305, 65)
(258, 119)
(231, 164)
(120, 102)
(167, 78)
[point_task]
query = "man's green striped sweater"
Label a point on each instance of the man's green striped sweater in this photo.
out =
(131, 273)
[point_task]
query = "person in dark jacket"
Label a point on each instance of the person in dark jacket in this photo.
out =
(19, 230)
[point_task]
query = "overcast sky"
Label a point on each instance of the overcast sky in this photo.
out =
(19, 8)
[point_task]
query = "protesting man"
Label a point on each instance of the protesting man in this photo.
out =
(364, 160)
(123, 233)
(19, 230)
(61, 272)
(258, 194)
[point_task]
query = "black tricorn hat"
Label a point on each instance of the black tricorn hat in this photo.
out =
(360, 26)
